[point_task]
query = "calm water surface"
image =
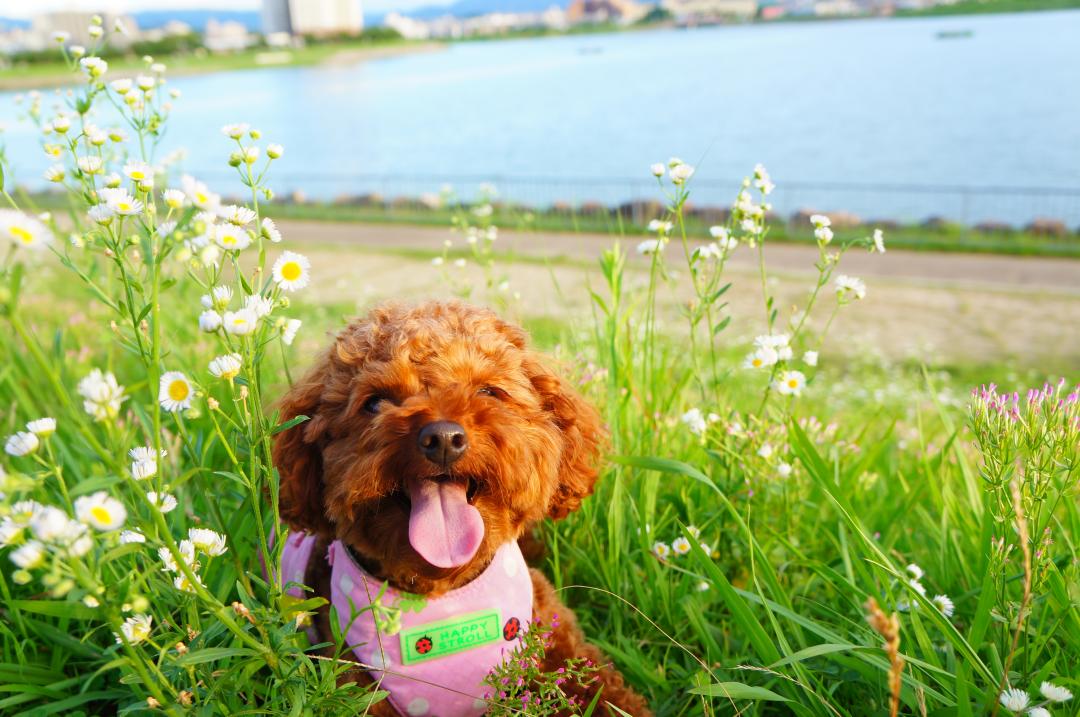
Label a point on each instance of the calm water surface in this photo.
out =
(864, 102)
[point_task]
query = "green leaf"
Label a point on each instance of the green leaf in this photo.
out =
(738, 691)
(665, 465)
(211, 654)
(56, 608)
(289, 424)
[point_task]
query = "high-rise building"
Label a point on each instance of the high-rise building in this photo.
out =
(312, 17)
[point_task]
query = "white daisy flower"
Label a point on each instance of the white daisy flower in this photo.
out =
(762, 180)
(181, 582)
(227, 366)
(218, 298)
(131, 536)
(820, 220)
(23, 230)
(270, 230)
(139, 172)
(708, 251)
(61, 36)
(113, 180)
(121, 86)
(100, 214)
(761, 358)
(165, 228)
(145, 82)
(175, 392)
(660, 227)
(680, 545)
(207, 541)
(235, 131)
(765, 451)
(76, 541)
(791, 383)
(879, 241)
(783, 469)
(849, 288)
(1055, 693)
(661, 550)
(100, 511)
(824, 235)
(230, 237)
(209, 321)
(460, 263)
(146, 453)
(681, 172)
(198, 193)
(174, 198)
(650, 246)
(21, 444)
(944, 605)
(135, 629)
(1015, 700)
(29, 555)
(94, 67)
(165, 502)
(55, 173)
(89, 164)
(236, 214)
(810, 358)
(288, 333)
(10, 532)
(718, 232)
(48, 523)
(186, 549)
(42, 427)
(121, 202)
(292, 271)
(696, 421)
(250, 155)
(915, 570)
(259, 305)
(240, 323)
(657, 169)
(274, 151)
(143, 470)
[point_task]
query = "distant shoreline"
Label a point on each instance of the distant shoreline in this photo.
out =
(57, 75)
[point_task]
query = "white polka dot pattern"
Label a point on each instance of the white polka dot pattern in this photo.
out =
(418, 707)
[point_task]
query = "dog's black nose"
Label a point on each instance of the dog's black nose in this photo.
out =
(443, 442)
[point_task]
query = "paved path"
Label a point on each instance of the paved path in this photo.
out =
(982, 270)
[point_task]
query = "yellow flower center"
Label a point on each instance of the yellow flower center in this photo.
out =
(138, 175)
(793, 383)
(291, 271)
(201, 197)
(228, 239)
(178, 390)
(101, 514)
(123, 206)
(22, 235)
(757, 363)
(239, 321)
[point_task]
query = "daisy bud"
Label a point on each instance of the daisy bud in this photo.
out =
(274, 151)
(255, 134)
(95, 31)
(657, 170)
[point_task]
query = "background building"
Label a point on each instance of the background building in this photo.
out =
(312, 17)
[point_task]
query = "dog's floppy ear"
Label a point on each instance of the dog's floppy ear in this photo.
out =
(582, 436)
(298, 455)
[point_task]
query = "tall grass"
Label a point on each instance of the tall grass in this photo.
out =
(750, 513)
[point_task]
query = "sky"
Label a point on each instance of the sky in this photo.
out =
(28, 8)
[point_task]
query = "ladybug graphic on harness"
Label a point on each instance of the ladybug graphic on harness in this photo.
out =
(511, 629)
(424, 645)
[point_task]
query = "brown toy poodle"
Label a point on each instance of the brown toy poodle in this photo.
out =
(436, 437)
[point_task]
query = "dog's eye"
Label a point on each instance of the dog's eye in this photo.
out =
(374, 404)
(493, 391)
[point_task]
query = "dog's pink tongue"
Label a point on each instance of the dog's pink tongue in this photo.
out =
(443, 527)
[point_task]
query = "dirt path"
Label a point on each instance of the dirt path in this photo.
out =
(989, 270)
(932, 308)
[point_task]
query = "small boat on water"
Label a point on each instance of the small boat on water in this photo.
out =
(954, 34)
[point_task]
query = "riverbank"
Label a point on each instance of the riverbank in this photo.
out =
(40, 75)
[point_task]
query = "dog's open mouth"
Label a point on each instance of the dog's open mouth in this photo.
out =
(445, 528)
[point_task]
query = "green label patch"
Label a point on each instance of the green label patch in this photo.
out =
(446, 637)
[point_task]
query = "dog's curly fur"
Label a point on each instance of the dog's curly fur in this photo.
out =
(533, 448)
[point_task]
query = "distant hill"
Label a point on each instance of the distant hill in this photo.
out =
(149, 19)
(471, 8)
